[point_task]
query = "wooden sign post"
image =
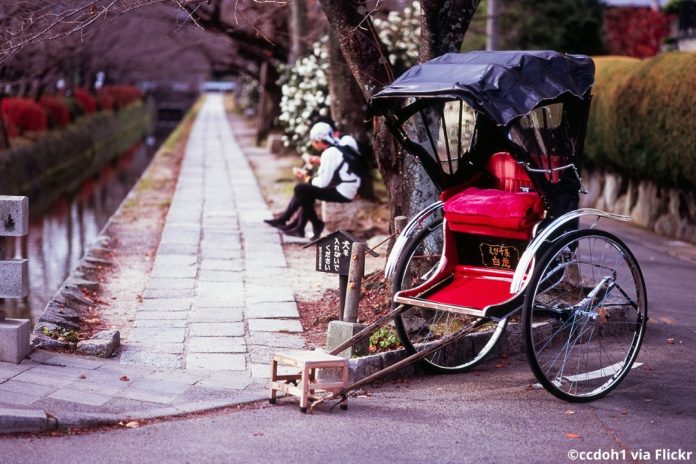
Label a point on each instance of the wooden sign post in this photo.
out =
(337, 254)
(333, 256)
(341, 253)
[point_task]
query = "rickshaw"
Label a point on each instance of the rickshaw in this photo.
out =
(501, 135)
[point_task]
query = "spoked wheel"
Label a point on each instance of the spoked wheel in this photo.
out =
(584, 317)
(419, 328)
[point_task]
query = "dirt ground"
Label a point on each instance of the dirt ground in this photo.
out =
(316, 292)
(134, 232)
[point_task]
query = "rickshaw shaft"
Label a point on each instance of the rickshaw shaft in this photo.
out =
(404, 362)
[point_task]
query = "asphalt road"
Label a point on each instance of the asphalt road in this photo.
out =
(489, 415)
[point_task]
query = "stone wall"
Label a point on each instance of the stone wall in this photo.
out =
(667, 211)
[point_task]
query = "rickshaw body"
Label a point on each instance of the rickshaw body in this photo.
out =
(501, 135)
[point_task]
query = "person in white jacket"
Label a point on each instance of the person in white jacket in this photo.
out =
(336, 181)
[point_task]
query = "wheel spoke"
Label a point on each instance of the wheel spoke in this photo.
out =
(584, 325)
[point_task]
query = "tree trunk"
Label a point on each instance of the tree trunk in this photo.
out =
(298, 29)
(443, 26)
(444, 23)
(493, 25)
(269, 101)
(4, 136)
(349, 107)
(348, 103)
(367, 60)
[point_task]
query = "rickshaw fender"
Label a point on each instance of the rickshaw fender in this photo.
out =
(405, 236)
(526, 263)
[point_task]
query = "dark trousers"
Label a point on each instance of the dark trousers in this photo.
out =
(304, 196)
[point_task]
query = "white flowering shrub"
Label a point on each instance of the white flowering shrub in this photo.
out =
(400, 32)
(305, 89)
(305, 86)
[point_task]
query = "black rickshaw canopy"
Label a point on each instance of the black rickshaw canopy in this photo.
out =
(502, 84)
(531, 104)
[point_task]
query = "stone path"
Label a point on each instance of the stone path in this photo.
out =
(217, 305)
(216, 296)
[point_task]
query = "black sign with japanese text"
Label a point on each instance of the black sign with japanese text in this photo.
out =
(500, 256)
(333, 252)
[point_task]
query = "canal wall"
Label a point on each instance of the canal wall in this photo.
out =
(667, 211)
(61, 159)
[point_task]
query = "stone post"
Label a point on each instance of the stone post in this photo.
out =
(399, 223)
(14, 333)
(340, 331)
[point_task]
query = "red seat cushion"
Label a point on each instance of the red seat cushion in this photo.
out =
(494, 212)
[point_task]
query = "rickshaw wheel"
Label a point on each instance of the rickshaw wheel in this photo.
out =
(419, 327)
(584, 316)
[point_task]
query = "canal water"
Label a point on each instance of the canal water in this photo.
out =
(60, 236)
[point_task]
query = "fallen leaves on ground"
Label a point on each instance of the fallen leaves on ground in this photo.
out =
(130, 424)
(573, 436)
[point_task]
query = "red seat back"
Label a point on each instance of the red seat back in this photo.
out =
(508, 175)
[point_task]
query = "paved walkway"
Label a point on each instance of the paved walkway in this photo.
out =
(216, 306)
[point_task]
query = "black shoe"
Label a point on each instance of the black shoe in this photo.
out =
(318, 229)
(277, 222)
(290, 226)
(296, 232)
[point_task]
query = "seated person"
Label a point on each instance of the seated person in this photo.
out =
(336, 181)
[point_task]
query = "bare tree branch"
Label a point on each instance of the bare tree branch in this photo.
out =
(26, 22)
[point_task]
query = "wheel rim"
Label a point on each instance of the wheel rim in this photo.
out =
(586, 317)
(420, 327)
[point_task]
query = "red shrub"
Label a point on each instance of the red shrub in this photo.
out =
(635, 31)
(123, 95)
(104, 100)
(25, 114)
(10, 128)
(58, 113)
(87, 100)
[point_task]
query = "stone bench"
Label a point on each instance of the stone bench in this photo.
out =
(340, 215)
(274, 144)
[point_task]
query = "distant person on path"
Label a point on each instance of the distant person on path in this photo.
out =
(337, 180)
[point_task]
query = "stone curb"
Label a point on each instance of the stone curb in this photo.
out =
(37, 421)
(25, 420)
(510, 343)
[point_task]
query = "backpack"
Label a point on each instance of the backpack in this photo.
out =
(357, 164)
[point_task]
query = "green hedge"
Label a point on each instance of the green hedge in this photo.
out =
(61, 159)
(642, 120)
